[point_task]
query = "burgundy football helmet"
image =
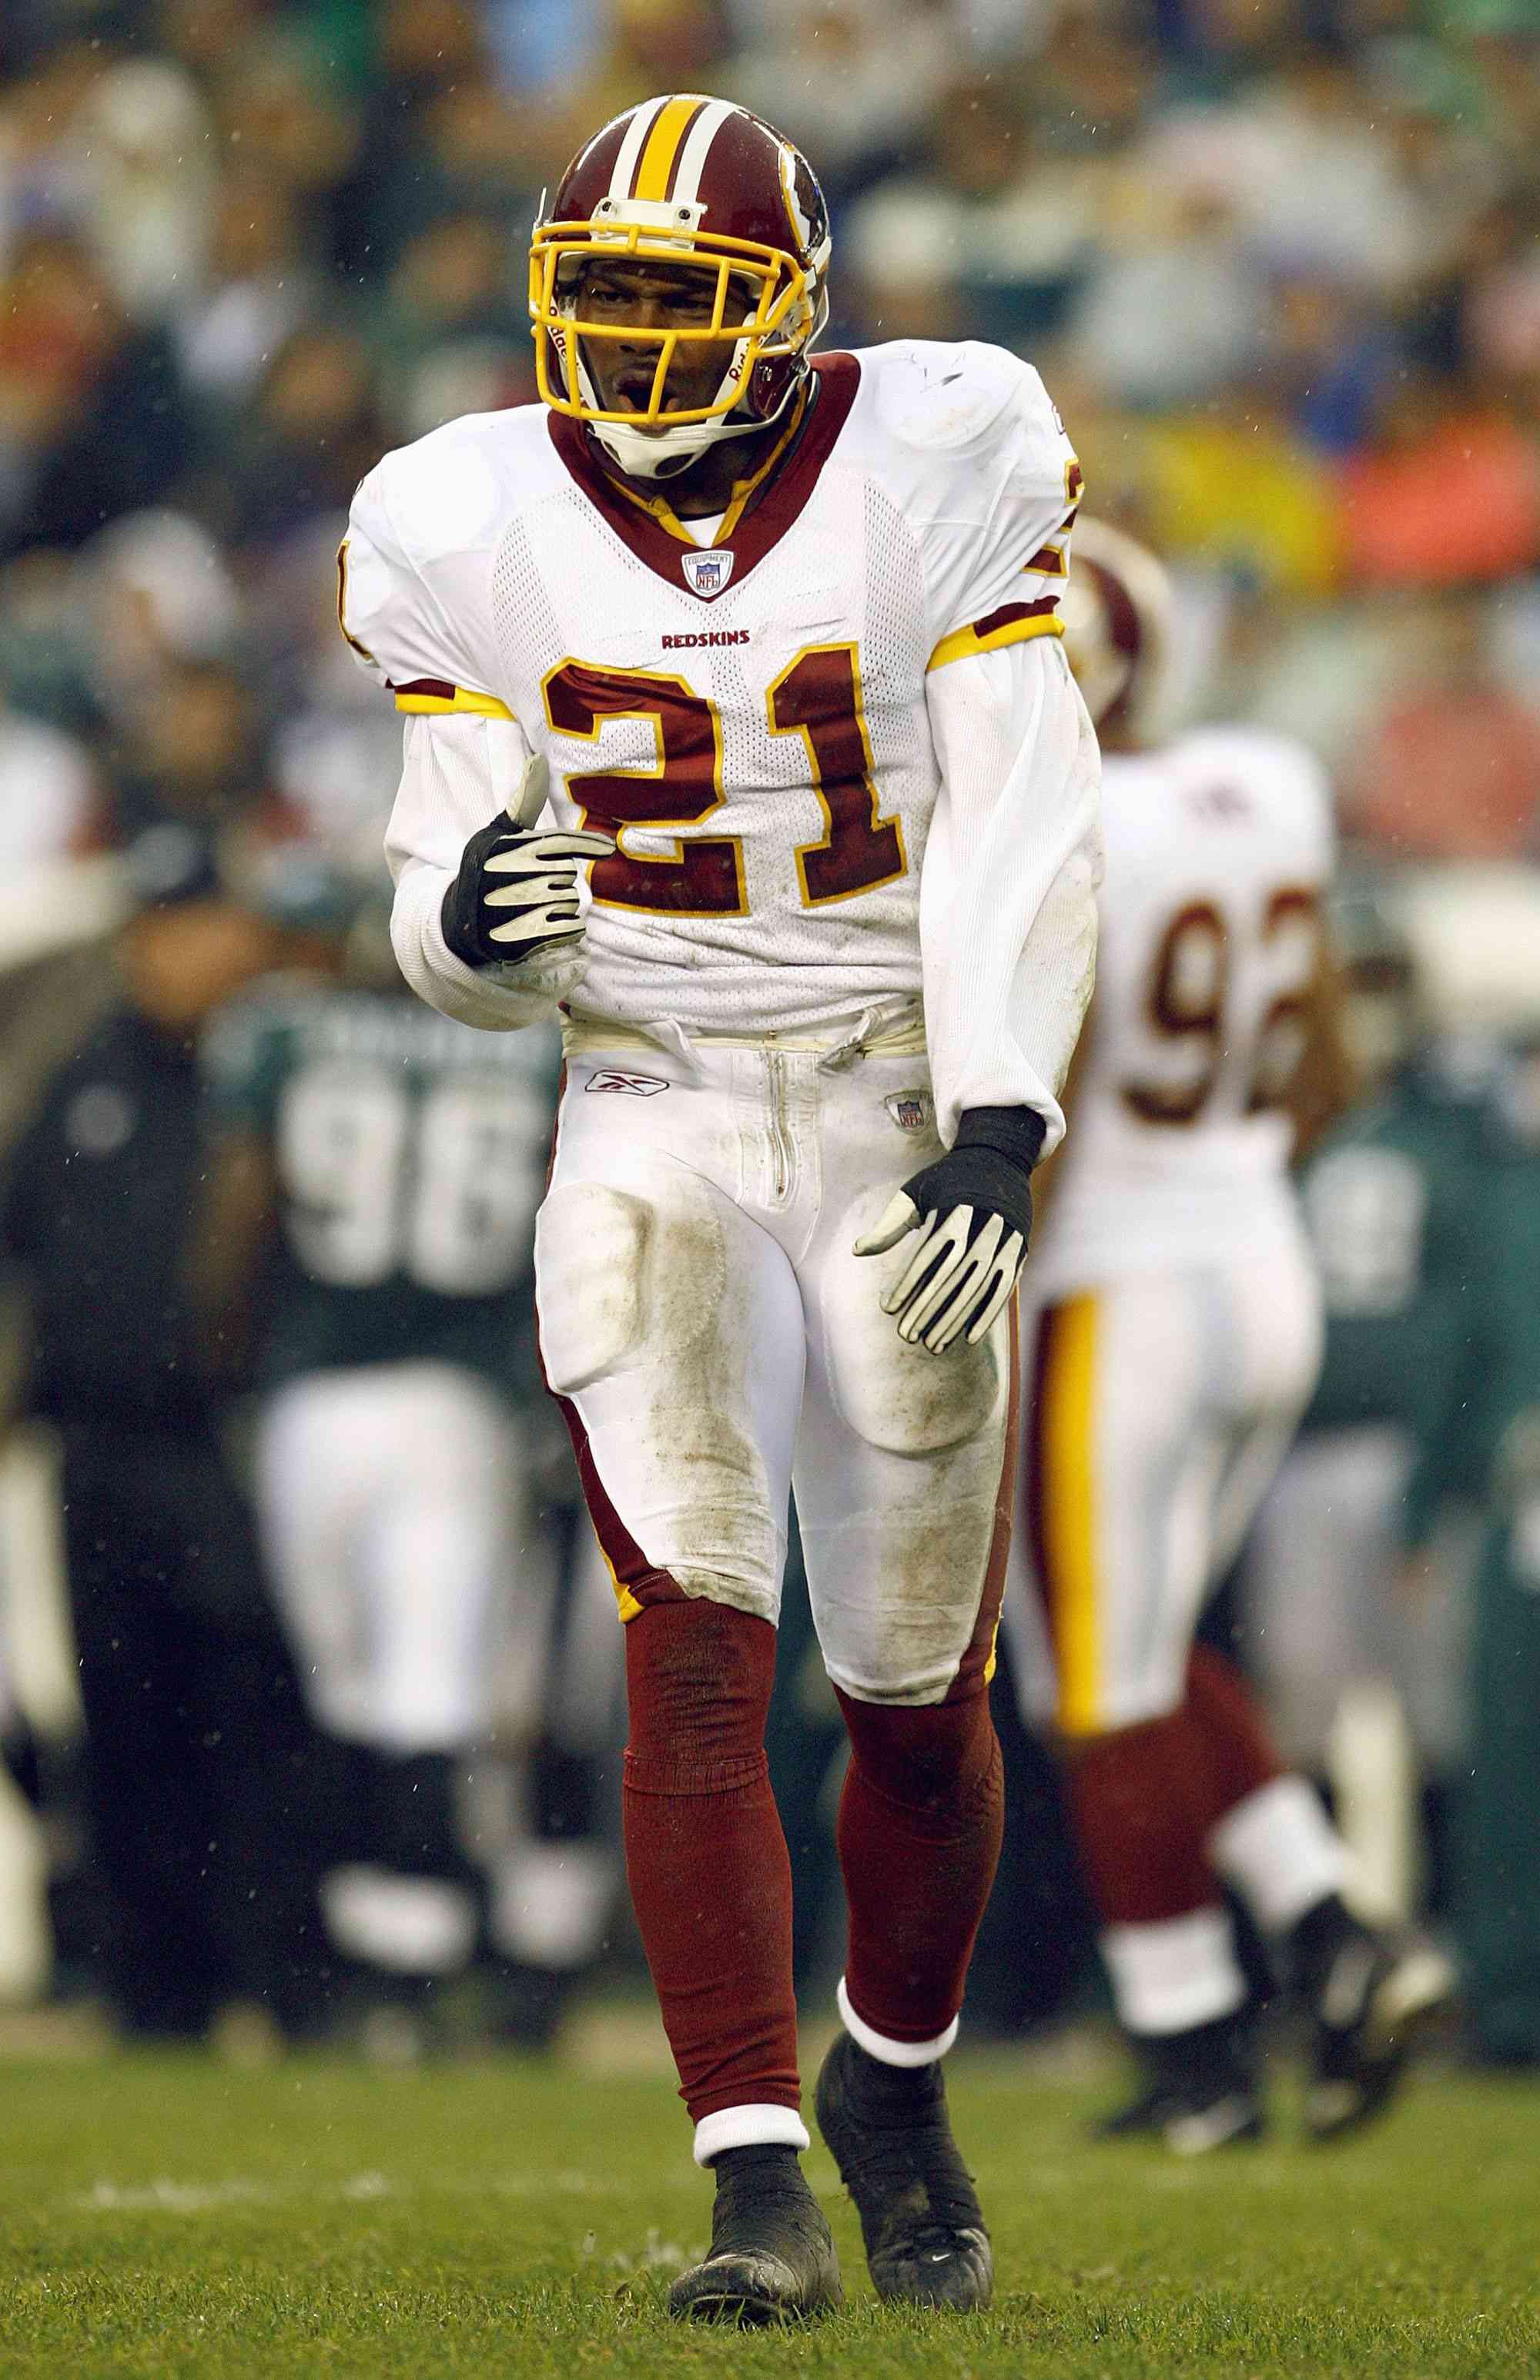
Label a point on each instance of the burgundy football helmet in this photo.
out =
(1116, 610)
(699, 182)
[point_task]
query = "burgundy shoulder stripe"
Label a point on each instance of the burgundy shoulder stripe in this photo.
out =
(1009, 613)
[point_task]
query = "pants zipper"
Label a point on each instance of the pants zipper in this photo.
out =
(779, 1141)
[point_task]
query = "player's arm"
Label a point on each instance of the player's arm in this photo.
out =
(486, 924)
(1045, 1180)
(1325, 1081)
(1008, 918)
(237, 1217)
(1007, 935)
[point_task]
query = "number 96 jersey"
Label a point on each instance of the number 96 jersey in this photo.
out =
(748, 716)
(408, 1156)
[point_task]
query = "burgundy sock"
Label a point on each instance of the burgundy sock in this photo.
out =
(919, 1833)
(1239, 1751)
(705, 1855)
(1138, 1809)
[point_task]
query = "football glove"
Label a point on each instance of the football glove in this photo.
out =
(973, 1208)
(516, 895)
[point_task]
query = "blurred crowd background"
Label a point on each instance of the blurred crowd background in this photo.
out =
(1279, 261)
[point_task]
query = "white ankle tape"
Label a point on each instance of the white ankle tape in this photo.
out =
(755, 2126)
(892, 2053)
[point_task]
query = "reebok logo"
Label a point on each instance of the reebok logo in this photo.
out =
(705, 636)
(637, 1086)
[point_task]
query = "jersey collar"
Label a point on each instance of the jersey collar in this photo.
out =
(762, 510)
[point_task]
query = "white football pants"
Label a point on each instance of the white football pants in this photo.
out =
(387, 1501)
(714, 1341)
(1157, 1409)
(1322, 1610)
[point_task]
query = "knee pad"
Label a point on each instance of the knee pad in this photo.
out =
(698, 1677)
(923, 1757)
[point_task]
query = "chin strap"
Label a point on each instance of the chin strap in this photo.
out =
(640, 456)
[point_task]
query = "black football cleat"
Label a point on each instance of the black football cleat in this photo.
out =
(1199, 2091)
(1188, 2121)
(887, 2129)
(771, 2258)
(1369, 1999)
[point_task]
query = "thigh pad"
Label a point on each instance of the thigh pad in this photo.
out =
(619, 1277)
(899, 1397)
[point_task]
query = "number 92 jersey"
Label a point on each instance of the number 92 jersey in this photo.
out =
(748, 716)
(1219, 849)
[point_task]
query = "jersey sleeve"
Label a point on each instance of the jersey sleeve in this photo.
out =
(413, 607)
(413, 601)
(1008, 905)
(997, 550)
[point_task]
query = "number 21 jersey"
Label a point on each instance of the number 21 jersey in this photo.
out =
(748, 718)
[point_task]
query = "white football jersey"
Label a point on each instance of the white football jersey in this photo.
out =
(1219, 849)
(751, 720)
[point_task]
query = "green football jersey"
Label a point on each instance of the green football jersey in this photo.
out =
(1391, 1199)
(1484, 1440)
(410, 1154)
(1484, 1447)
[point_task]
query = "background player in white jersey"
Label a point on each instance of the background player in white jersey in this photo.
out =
(1172, 1336)
(781, 634)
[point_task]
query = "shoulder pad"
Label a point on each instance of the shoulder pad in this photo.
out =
(1266, 754)
(443, 494)
(941, 397)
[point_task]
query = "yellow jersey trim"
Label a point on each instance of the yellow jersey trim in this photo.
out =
(963, 642)
(463, 700)
(1069, 1512)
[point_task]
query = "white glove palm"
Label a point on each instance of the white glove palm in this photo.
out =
(515, 898)
(973, 1208)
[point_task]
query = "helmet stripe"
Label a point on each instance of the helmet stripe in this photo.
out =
(631, 148)
(696, 148)
(662, 146)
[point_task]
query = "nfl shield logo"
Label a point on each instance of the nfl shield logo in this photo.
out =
(707, 573)
(910, 1110)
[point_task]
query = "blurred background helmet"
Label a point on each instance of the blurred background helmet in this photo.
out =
(1382, 1020)
(1117, 612)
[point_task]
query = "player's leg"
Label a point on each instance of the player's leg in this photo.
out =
(439, 1558)
(145, 1769)
(1365, 1995)
(1126, 1442)
(671, 1329)
(382, 1498)
(903, 1498)
(552, 1870)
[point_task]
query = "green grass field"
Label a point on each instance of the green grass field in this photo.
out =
(164, 2214)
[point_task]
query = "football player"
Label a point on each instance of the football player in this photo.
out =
(779, 635)
(1173, 1338)
(371, 1193)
